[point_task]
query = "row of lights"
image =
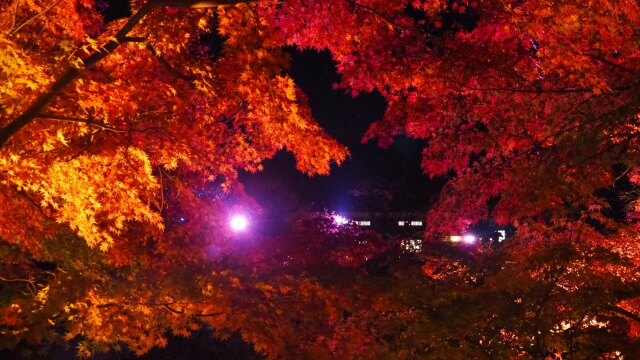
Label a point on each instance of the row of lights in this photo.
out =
(470, 238)
(410, 223)
(467, 239)
(240, 223)
(341, 220)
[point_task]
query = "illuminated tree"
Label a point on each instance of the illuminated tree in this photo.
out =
(529, 107)
(114, 135)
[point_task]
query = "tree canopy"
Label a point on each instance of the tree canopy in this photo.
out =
(112, 133)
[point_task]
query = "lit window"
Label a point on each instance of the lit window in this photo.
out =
(416, 223)
(364, 223)
(503, 235)
(401, 223)
(455, 238)
(411, 245)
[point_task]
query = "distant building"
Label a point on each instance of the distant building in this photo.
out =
(390, 223)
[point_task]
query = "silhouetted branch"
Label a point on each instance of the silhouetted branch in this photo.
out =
(376, 13)
(624, 312)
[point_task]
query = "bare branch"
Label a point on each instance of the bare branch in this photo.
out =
(4, 279)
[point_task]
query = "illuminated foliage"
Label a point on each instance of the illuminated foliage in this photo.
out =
(131, 102)
(107, 133)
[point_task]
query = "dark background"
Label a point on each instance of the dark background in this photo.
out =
(385, 179)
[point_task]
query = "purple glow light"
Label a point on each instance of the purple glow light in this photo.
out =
(469, 239)
(340, 220)
(238, 223)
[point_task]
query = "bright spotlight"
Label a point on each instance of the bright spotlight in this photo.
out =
(469, 239)
(238, 223)
(340, 220)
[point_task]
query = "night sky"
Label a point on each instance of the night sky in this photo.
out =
(395, 170)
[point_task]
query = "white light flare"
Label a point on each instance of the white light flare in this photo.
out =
(340, 220)
(469, 239)
(239, 223)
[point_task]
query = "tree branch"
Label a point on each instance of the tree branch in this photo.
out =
(35, 204)
(180, 312)
(4, 279)
(165, 305)
(166, 64)
(81, 121)
(73, 73)
(33, 18)
(607, 62)
(199, 4)
(532, 91)
(29, 282)
(99, 125)
(376, 13)
(624, 312)
(163, 61)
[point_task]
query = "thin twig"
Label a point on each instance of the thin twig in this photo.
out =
(80, 121)
(2, 278)
(161, 190)
(532, 91)
(33, 202)
(96, 124)
(34, 17)
(621, 176)
(163, 61)
(377, 13)
(15, 14)
(605, 61)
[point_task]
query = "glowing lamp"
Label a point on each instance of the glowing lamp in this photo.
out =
(469, 239)
(340, 220)
(238, 223)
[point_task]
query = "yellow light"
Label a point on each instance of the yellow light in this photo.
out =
(455, 238)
